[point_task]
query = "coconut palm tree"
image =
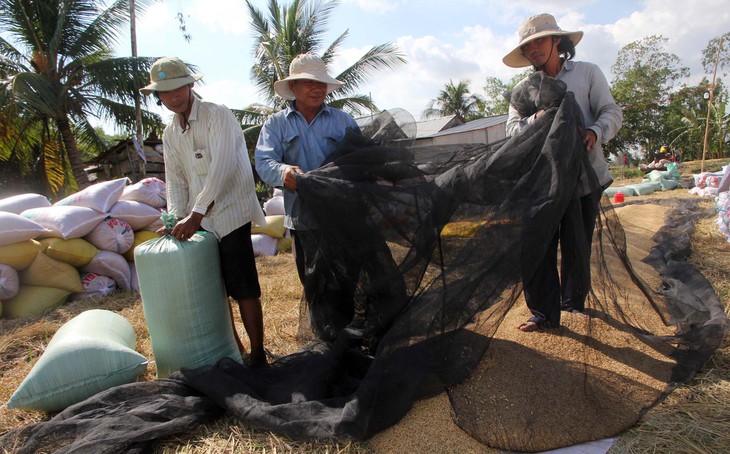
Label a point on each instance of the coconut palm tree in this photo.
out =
(296, 28)
(455, 100)
(58, 72)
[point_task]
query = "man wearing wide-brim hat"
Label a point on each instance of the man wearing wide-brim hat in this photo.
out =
(550, 49)
(299, 139)
(210, 185)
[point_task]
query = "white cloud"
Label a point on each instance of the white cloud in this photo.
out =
(157, 17)
(688, 29)
(375, 6)
(230, 92)
(228, 16)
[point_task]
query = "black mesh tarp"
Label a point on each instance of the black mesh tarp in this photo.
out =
(416, 255)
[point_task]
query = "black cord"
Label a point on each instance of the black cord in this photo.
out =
(186, 124)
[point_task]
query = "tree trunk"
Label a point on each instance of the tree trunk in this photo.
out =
(69, 143)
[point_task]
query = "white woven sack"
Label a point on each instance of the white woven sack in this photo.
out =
(136, 214)
(95, 286)
(65, 221)
(113, 235)
(9, 282)
(99, 196)
(15, 228)
(274, 206)
(108, 263)
(19, 203)
(134, 281)
(185, 302)
(263, 245)
(155, 226)
(150, 191)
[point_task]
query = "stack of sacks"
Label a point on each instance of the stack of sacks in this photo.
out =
(664, 180)
(655, 180)
(79, 247)
(141, 203)
(707, 184)
(273, 237)
(722, 204)
(24, 267)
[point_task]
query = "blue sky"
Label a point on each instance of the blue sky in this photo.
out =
(459, 40)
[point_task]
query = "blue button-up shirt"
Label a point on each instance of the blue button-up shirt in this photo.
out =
(287, 139)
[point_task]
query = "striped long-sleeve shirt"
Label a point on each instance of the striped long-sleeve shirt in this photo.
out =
(209, 163)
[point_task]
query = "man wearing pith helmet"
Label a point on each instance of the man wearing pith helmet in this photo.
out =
(299, 139)
(548, 48)
(210, 186)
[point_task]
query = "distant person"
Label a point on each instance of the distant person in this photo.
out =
(547, 48)
(210, 185)
(663, 153)
(299, 139)
(626, 160)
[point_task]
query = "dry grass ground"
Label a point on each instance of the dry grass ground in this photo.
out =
(695, 418)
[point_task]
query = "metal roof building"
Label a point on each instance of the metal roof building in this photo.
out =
(483, 130)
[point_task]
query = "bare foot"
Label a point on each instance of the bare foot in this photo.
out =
(528, 327)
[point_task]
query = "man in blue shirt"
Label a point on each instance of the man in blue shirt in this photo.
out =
(299, 139)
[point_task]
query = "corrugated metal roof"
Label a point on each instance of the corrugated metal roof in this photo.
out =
(428, 128)
(474, 125)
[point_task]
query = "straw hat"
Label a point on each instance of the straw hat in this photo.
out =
(533, 28)
(306, 66)
(169, 73)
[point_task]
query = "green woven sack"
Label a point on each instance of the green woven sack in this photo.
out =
(644, 188)
(90, 353)
(185, 302)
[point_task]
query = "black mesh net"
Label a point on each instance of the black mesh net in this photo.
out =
(415, 260)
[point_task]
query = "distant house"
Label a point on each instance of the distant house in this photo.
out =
(484, 130)
(125, 159)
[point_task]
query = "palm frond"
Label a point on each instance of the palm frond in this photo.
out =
(255, 114)
(356, 105)
(124, 115)
(54, 166)
(88, 139)
(383, 56)
(11, 59)
(331, 52)
(37, 93)
(94, 28)
(118, 78)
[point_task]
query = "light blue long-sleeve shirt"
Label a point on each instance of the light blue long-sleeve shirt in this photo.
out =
(601, 114)
(287, 139)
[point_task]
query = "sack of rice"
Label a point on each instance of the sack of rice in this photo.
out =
(99, 197)
(185, 302)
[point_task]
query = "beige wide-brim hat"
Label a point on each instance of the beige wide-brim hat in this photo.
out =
(169, 73)
(536, 27)
(306, 66)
